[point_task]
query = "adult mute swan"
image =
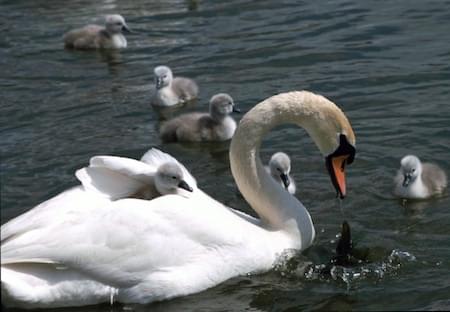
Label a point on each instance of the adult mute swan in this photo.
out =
(279, 168)
(417, 180)
(99, 37)
(138, 251)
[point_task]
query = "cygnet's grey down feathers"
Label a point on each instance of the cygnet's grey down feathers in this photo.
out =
(416, 180)
(171, 90)
(279, 168)
(119, 177)
(99, 37)
(216, 125)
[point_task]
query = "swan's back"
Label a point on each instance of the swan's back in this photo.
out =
(125, 237)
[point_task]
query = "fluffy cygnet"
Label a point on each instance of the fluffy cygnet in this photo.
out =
(99, 37)
(170, 91)
(279, 168)
(118, 177)
(416, 180)
(169, 179)
(216, 125)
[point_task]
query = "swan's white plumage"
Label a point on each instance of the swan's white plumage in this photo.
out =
(115, 177)
(142, 251)
(107, 178)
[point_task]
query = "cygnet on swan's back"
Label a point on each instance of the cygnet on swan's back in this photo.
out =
(280, 168)
(99, 37)
(119, 177)
(416, 180)
(170, 91)
(216, 125)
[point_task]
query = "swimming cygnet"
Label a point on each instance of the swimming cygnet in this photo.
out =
(99, 37)
(216, 125)
(170, 91)
(279, 168)
(416, 180)
(118, 177)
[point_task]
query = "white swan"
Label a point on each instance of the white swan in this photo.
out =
(139, 251)
(416, 180)
(217, 125)
(279, 168)
(99, 37)
(171, 91)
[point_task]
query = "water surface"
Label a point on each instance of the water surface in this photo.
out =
(386, 64)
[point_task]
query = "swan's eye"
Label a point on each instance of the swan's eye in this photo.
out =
(174, 177)
(118, 23)
(165, 76)
(279, 169)
(414, 170)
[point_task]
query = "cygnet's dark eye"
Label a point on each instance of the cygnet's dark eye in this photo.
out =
(118, 23)
(174, 177)
(279, 169)
(414, 170)
(165, 76)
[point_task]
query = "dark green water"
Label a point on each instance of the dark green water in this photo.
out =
(385, 63)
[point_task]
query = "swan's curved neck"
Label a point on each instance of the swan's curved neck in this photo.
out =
(276, 207)
(321, 119)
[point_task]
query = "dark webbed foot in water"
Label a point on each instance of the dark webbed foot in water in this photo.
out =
(346, 255)
(344, 247)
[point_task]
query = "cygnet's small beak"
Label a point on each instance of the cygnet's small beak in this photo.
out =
(159, 82)
(407, 180)
(185, 186)
(126, 29)
(236, 110)
(285, 179)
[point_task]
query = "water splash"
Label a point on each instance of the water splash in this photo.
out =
(299, 266)
(363, 270)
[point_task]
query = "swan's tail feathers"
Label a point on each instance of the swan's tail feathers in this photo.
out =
(41, 285)
(168, 132)
(155, 157)
(14, 289)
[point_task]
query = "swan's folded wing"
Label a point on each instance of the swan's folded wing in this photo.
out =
(72, 203)
(132, 239)
(116, 177)
(154, 157)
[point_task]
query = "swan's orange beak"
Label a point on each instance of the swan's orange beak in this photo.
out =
(338, 167)
(336, 162)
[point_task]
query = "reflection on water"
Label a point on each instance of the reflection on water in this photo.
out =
(386, 66)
